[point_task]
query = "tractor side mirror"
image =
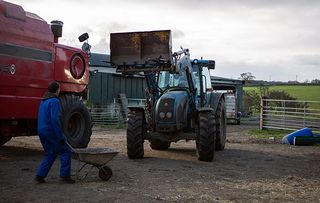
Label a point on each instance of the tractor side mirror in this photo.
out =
(83, 37)
(211, 64)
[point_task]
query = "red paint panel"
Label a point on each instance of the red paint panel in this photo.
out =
(30, 32)
(30, 60)
(62, 67)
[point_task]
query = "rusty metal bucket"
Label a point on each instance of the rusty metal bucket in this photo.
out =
(137, 48)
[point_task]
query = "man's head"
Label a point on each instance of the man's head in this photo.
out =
(54, 87)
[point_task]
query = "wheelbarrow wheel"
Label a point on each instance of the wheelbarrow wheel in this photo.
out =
(105, 173)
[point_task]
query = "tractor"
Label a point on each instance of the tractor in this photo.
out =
(180, 101)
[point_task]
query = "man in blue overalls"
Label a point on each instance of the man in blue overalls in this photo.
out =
(52, 137)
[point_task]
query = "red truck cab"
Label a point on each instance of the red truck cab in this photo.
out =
(30, 58)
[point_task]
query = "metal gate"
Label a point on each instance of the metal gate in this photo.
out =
(114, 113)
(289, 114)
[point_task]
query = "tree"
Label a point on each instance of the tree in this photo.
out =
(251, 99)
(251, 102)
(316, 81)
(247, 76)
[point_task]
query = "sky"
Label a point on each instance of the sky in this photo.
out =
(275, 40)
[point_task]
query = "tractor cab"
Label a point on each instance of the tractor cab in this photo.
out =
(201, 72)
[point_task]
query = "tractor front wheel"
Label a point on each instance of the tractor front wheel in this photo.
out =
(135, 131)
(206, 136)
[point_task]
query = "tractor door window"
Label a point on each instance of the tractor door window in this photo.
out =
(196, 75)
(197, 81)
(206, 78)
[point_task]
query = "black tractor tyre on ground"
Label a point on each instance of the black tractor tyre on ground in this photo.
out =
(75, 121)
(159, 145)
(221, 125)
(135, 132)
(206, 137)
(4, 139)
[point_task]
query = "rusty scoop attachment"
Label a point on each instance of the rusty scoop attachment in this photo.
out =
(141, 51)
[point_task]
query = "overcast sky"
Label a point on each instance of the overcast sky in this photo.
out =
(275, 40)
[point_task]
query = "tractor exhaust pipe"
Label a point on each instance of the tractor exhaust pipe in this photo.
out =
(56, 28)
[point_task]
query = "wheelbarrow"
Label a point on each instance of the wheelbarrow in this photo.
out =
(97, 157)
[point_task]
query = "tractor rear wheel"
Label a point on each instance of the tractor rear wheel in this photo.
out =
(75, 121)
(206, 137)
(221, 125)
(135, 131)
(159, 145)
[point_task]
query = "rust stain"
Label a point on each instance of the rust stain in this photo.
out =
(135, 39)
(162, 36)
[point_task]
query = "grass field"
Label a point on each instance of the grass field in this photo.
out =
(301, 92)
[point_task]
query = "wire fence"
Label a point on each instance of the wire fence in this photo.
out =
(114, 113)
(289, 114)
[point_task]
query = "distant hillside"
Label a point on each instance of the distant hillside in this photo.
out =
(261, 82)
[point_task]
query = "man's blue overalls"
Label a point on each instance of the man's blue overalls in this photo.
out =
(52, 137)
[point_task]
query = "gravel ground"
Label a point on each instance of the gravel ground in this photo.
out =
(248, 170)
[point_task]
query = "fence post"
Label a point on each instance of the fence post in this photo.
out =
(119, 114)
(304, 113)
(261, 113)
(283, 118)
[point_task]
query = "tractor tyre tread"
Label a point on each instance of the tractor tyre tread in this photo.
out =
(220, 126)
(135, 131)
(206, 137)
(71, 104)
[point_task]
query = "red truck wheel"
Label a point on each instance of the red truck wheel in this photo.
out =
(4, 139)
(75, 121)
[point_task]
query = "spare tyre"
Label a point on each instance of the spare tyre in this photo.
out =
(75, 121)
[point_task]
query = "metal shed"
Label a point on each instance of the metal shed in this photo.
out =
(234, 95)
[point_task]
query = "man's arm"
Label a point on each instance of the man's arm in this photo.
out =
(55, 120)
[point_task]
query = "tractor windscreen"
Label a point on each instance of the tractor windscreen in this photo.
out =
(168, 80)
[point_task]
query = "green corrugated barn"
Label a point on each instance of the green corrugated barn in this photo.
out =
(105, 85)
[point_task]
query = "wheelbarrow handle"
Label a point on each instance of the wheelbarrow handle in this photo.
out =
(69, 145)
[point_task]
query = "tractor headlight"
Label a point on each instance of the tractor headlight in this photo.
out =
(162, 115)
(169, 115)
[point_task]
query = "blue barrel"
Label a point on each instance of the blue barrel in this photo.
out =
(288, 139)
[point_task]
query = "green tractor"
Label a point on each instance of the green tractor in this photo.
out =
(180, 101)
